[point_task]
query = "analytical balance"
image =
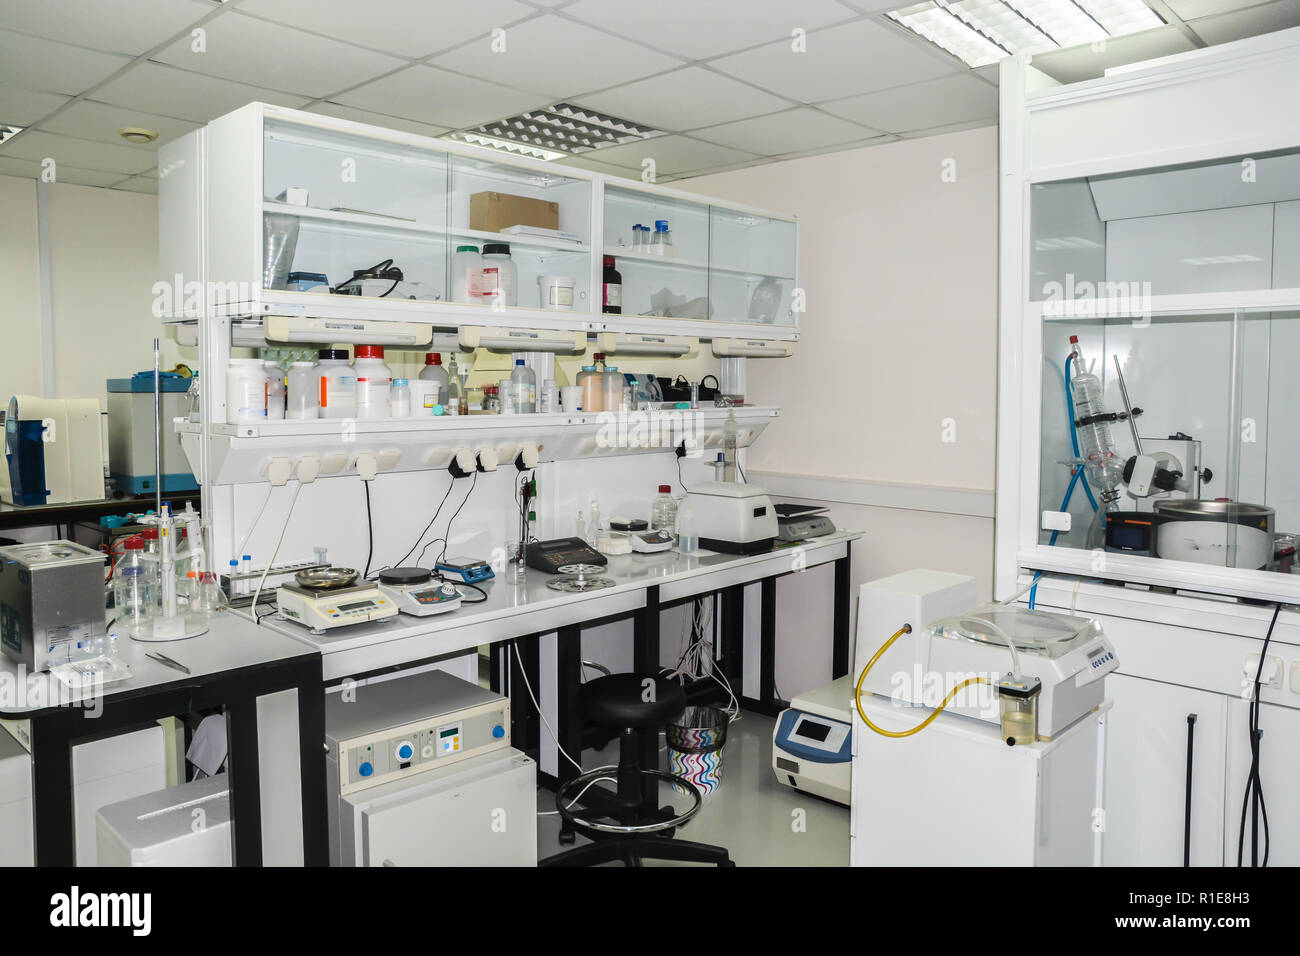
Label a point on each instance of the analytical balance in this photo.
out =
(415, 592)
(331, 597)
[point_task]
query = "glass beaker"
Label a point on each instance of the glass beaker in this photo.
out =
(1018, 704)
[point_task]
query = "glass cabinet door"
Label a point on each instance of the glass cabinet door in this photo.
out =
(533, 223)
(660, 248)
(337, 204)
(751, 268)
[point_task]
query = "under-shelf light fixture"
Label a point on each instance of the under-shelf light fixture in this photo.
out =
(982, 32)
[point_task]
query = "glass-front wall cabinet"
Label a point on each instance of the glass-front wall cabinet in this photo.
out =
(1171, 361)
(379, 218)
(688, 260)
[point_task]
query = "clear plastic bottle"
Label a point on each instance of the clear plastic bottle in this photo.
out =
(275, 391)
(729, 449)
(452, 393)
(303, 391)
(592, 384)
(400, 399)
(663, 511)
(133, 584)
(524, 385)
(662, 243)
(688, 536)
(549, 399)
(613, 387)
(1104, 468)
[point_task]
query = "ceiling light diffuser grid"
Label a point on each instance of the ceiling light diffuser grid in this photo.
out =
(1003, 25)
(559, 130)
(944, 29)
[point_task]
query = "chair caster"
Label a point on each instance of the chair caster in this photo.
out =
(568, 838)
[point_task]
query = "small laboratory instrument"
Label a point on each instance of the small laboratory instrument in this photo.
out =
(166, 661)
(558, 553)
(158, 829)
(51, 602)
(1131, 532)
(327, 598)
(915, 741)
(174, 616)
(240, 586)
(733, 517)
(578, 579)
(131, 434)
(619, 523)
(651, 542)
(801, 522)
(1223, 533)
(55, 451)
(415, 592)
(469, 570)
(419, 767)
(812, 741)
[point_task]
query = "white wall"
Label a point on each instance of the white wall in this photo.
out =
(894, 379)
(103, 263)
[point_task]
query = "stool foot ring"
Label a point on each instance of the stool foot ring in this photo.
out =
(565, 793)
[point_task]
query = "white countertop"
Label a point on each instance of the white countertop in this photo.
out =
(231, 642)
(356, 648)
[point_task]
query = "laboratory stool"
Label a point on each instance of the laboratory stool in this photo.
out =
(625, 826)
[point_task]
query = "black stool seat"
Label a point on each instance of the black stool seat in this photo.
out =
(619, 701)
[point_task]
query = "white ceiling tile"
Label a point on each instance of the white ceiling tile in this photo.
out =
(948, 128)
(858, 57)
(99, 121)
(556, 58)
(165, 90)
(25, 107)
(376, 119)
(700, 30)
(22, 168)
(411, 28)
(1085, 63)
(277, 57)
(430, 95)
(70, 175)
(684, 99)
(949, 99)
(1248, 23)
(122, 26)
(78, 153)
(585, 161)
(673, 155)
(785, 132)
(30, 63)
(138, 184)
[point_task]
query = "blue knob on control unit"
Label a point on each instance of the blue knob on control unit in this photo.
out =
(498, 731)
(405, 752)
(365, 769)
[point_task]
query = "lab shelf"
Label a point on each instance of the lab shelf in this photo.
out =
(1198, 303)
(647, 258)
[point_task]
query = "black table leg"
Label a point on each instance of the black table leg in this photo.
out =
(645, 660)
(767, 647)
(52, 810)
(733, 638)
(245, 792)
(568, 669)
(843, 609)
(312, 767)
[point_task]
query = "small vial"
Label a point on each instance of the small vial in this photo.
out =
(400, 399)
(236, 588)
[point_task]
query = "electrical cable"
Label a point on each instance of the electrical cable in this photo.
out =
(278, 541)
(857, 692)
(370, 531)
(1253, 798)
(680, 480)
(253, 527)
(426, 527)
(514, 645)
(574, 802)
(473, 482)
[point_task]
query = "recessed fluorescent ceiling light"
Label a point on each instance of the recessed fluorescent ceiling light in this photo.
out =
(981, 32)
(555, 131)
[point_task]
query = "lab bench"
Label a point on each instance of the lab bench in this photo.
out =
(231, 666)
(34, 516)
(644, 585)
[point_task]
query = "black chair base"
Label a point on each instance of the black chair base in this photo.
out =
(633, 849)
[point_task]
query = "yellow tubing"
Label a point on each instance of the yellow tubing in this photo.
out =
(857, 692)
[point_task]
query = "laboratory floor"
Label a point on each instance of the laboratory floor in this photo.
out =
(760, 822)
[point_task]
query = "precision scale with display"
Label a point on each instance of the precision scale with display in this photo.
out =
(331, 597)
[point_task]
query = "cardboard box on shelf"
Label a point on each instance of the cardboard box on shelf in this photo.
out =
(493, 212)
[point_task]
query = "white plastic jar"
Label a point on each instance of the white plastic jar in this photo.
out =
(275, 391)
(374, 382)
(338, 384)
(245, 391)
(500, 277)
(466, 270)
(556, 292)
(304, 391)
